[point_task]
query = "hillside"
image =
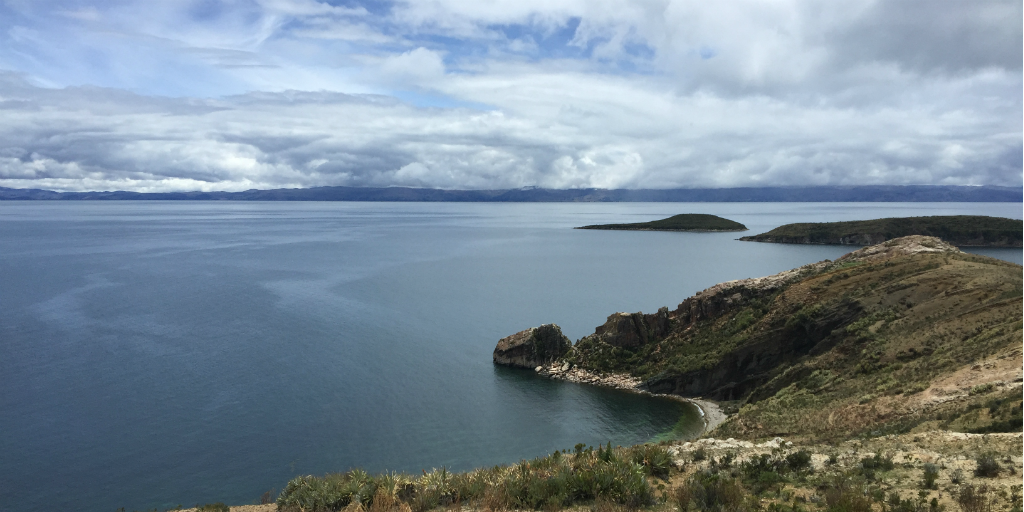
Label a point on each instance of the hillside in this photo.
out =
(910, 334)
(959, 230)
(683, 222)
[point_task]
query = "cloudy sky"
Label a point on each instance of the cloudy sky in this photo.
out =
(158, 95)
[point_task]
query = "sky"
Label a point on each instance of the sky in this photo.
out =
(174, 95)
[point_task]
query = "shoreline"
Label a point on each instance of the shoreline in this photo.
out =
(711, 413)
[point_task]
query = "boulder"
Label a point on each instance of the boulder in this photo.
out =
(533, 347)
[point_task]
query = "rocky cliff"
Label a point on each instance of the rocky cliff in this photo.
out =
(532, 347)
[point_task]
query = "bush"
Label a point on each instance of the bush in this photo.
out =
(653, 458)
(987, 467)
(699, 454)
(709, 492)
(877, 463)
(931, 473)
(799, 460)
(213, 507)
(841, 496)
(972, 499)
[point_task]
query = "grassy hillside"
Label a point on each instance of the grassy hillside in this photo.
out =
(915, 473)
(960, 230)
(683, 222)
(876, 342)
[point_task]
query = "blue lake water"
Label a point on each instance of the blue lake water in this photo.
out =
(164, 353)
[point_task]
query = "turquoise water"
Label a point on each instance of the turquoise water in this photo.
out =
(165, 353)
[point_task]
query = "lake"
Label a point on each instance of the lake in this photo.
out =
(165, 353)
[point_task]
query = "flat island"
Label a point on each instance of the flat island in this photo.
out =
(696, 222)
(959, 230)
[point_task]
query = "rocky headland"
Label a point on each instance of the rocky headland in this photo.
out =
(832, 349)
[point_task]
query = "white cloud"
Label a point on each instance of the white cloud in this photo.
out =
(555, 93)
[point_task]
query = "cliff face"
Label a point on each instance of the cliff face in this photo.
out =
(631, 330)
(532, 347)
(824, 341)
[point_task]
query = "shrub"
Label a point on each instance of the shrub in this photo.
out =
(709, 492)
(957, 476)
(213, 507)
(931, 473)
(841, 496)
(973, 499)
(877, 462)
(699, 454)
(653, 458)
(799, 460)
(987, 467)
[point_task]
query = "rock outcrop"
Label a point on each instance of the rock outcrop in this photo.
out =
(631, 330)
(716, 301)
(913, 244)
(533, 347)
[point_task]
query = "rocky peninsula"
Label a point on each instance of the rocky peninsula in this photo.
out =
(832, 349)
(959, 230)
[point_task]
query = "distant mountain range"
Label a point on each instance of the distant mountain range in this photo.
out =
(872, 193)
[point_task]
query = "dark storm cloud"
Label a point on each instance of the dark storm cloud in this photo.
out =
(937, 35)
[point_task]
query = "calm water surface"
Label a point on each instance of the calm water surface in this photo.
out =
(165, 353)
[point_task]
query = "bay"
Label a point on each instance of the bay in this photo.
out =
(165, 353)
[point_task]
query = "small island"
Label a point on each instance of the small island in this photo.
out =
(693, 222)
(959, 230)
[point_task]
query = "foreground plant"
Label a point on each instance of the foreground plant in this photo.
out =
(562, 479)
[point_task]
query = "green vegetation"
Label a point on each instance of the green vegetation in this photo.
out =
(960, 230)
(683, 222)
(213, 507)
(583, 475)
(987, 467)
